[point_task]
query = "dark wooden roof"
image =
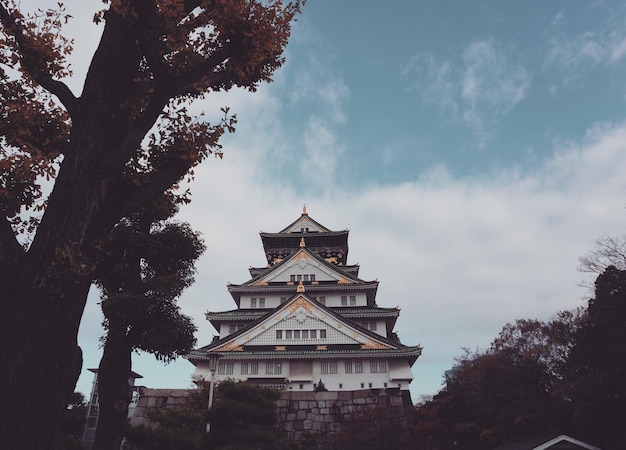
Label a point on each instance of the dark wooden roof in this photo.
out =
(327, 243)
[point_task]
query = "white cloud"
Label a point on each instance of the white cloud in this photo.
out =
(461, 257)
(576, 53)
(476, 91)
(319, 165)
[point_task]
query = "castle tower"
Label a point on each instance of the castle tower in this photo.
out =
(307, 321)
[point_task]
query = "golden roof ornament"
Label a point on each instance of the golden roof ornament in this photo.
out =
(302, 244)
(300, 289)
(304, 210)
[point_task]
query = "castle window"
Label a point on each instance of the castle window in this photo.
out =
(313, 334)
(273, 368)
(348, 366)
(225, 368)
(262, 302)
(322, 300)
(344, 300)
(369, 325)
(305, 334)
(232, 328)
(358, 366)
(312, 276)
(322, 334)
(352, 300)
(378, 366)
(279, 334)
(254, 368)
(292, 278)
(253, 302)
(329, 367)
(305, 277)
(244, 368)
(287, 334)
(296, 334)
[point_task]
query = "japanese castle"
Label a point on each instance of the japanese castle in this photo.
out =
(307, 321)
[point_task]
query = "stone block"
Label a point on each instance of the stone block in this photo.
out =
(307, 424)
(300, 415)
(345, 395)
(326, 395)
(301, 395)
(361, 394)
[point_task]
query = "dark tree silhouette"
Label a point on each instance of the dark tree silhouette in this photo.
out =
(106, 158)
(149, 261)
(597, 366)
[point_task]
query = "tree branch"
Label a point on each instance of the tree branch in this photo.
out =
(33, 68)
(161, 180)
(11, 252)
(207, 69)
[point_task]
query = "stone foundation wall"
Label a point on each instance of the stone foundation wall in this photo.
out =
(320, 419)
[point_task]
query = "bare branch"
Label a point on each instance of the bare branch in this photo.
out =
(33, 68)
(608, 251)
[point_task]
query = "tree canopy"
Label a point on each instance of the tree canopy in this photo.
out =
(149, 261)
(567, 374)
(127, 138)
(243, 417)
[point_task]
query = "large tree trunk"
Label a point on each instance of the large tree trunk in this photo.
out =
(43, 291)
(113, 389)
(40, 362)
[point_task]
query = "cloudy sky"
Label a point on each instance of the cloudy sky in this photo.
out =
(473, 149)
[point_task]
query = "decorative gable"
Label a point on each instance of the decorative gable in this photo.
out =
(304, 225)
(302, 266)
(301, 321)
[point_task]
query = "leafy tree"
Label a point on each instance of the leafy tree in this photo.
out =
(149, 262)
(72, 424)
(375, 428)
(243, 417)
(126, 139)
(509, 390)
(597, 365)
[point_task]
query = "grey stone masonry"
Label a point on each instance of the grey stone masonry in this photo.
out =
(318, 418)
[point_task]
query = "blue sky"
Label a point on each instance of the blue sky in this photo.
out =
(473, 149)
